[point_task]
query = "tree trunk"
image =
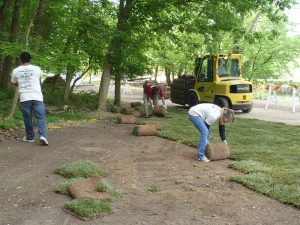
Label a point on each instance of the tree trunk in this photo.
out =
(78, 78)
(104, 84)
(8, 61)
(168, 76)
(14, 104)
(38, 24)
(180, 70)
(3, 9)
(118, 80)
(69, 77)
(156, 73)
(125, 8)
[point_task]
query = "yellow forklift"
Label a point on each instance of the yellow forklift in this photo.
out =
(217, 79)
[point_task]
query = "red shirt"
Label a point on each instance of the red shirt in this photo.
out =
(149, 90)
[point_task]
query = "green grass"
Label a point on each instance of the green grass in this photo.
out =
(81, 104)
(268, 153)
(105, 186)
(88, 207)
(154, 188)
(63, 188)
(82, 168)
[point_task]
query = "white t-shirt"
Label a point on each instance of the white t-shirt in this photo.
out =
(28, 79)
(210, 113)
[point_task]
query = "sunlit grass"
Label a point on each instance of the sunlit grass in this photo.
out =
(268, 153)
(82, 168)
(88, 207)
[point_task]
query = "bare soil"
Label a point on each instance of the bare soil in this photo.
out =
(191, 192)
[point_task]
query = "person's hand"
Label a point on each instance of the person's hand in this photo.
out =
(225, 142)
(165, 107)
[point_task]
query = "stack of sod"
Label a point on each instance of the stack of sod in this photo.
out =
(144, 130)
(217, 151)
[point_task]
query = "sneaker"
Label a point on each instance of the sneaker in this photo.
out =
(27, 140)
(43, 141)
(203, 159)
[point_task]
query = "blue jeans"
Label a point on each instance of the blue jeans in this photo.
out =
(38, 108)
(204, 134)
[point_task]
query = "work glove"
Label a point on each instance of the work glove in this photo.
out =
(165, 107)
(225, 142)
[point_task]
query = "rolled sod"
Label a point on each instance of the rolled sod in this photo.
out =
(159, 111)
(144, 130)
(152, 122)
(217, 151)
(127, 119)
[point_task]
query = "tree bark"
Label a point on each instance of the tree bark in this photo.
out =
(168, 76)
(125, 8)
(3, 9)
(156, 72)
(104, 84)
(8, 60)
(69, 77)
(118, 80)
(14, 104)
(38, 24)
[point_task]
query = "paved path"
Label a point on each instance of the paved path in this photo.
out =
(281, 114)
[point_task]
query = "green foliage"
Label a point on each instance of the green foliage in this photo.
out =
(88, 207)
(84, 100)
(267, 152)
(63, 188)
(53, 95)
(82, 168)
(105, 186)
(6, 97)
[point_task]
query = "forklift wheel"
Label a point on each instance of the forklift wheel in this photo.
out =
(222, 102)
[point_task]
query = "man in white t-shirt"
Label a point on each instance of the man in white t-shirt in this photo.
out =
(203, 116)
(27, 78)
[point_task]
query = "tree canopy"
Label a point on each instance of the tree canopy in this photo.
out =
(127, 38)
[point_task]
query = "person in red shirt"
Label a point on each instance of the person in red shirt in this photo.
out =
(155, 93)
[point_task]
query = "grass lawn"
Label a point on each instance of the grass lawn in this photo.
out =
(267, 153)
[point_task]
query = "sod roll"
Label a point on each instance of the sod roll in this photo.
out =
(127, 111)
(135, 104)
(159, 111)
(131, 111)
(217, 151)
(144, 130)
(155, 123)
(127, 119)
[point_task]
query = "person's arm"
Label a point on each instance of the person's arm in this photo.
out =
(149, 100)
(222, 133)
(13, 79)
(162, 97)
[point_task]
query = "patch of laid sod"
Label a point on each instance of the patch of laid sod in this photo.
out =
(260, 147)
(63, 188)
(82, 168)
(154, 188)
(249, 166)
(105, 186)
(88, 207)
(266, 184)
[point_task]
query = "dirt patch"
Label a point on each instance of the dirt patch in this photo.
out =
(191, 192)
